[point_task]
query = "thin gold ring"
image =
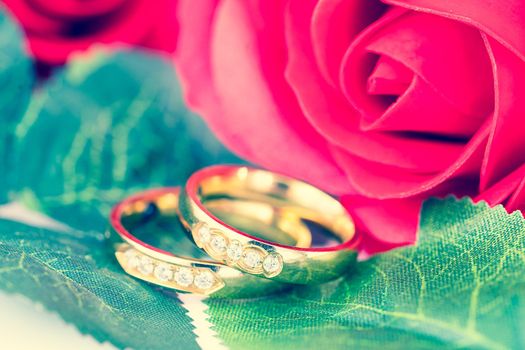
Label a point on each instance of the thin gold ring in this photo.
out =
(260, 257)
(181, 273)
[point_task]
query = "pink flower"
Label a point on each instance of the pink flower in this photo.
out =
(56, 28)
(384, 104)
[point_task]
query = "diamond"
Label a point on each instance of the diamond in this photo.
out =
(146, 265)
(252, 258)
(163, 272)
(234, 250)
(204, 280)
(204, 233)
(183, 276)
(133, 258)
(272, 263)
(130, 253)
(218, 243)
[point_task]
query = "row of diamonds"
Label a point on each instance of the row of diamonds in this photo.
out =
(249, 257)
(164, 272)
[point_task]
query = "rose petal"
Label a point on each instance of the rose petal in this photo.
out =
(507, 135)
(334, 24)
(421, 109)
(265, 125)
(52, 41)
(456, 100)
(389, 78)
(75, 9)
(502, 21)
(163, 36)
(398, 151)
(448, 55)
(369, 178)
(31, 20)
(386, 223)
(193, 55)
(509, 189)
(326, 109)
(517, 201)
(390, 223)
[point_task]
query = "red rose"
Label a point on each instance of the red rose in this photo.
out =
(58, 27)
(382, 103)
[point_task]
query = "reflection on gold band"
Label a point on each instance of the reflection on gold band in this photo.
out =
(292, 199)
(188, 274)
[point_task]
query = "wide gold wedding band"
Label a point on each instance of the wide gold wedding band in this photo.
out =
(251, 254)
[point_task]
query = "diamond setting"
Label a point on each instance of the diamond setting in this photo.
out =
(204, 280)
(204, 233)
(146, 265)
(218, 244)
(163, 272)
(186, 278)
(183, 276)
(272, 264)
(252, 258)
(234, 250)
(133, 259)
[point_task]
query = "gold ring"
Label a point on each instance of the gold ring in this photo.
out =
(187, 274)
(249, 253)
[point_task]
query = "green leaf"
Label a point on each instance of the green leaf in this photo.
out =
(105, 127)
(16, 79)
(462, 286)
(74, 274)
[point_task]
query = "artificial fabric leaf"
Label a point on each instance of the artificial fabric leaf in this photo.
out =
(462, 286)
(105, 127)
(16, 79)
(74, 274)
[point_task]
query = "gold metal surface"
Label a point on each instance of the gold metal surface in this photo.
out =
(293, 200)
(142, 260)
